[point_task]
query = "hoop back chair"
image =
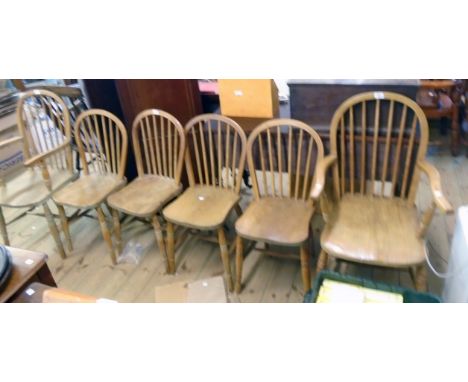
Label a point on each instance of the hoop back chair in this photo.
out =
(159, 147)
(282, 155)
(44, 127)
(215, 159)
(102, 143)
(378, 145)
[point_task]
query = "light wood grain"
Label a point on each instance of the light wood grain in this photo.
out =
(44, 126)
(384, 232)
(201, 207)
(276, 217)
(88, 191)
(380, 227)
(276, 221)
(265, 279)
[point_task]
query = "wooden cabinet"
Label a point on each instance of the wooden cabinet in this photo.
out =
(180, 98)
(315, 101)
(126, 98)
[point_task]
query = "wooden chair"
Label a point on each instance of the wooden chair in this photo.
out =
(159, 167)
(378, 144)
(282, 155)
(217, 146)
(103, 137)
(440, 99)
(44, 127)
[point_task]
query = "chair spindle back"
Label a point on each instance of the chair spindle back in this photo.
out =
(378, 137)
(163, 140)
(216, 151)
(103, 137)
(44, 123)
(282, 155)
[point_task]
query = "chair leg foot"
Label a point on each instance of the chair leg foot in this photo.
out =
(170, 248)
(160, 240)
(225, 258)
(3, 228)
(117, 230)
(65, 227)
(421, 278)
(322, 261)
(305, 267)
(106, 234)
(53, 230)
(239, 263)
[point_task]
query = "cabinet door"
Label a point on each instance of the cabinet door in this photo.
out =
(181, 98)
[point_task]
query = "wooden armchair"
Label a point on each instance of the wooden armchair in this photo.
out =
(286, 151)
(439, 99)
(44, 127)
(102, 141)
(159, 167)
(378, 144)
(217, 146)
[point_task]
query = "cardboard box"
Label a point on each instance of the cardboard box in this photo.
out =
(206, 290)
(249, 98)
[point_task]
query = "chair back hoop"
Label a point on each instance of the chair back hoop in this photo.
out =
(44, 123)
(282, 155)
(102, 142)
(378, 137)
(215, 153)
(162, 138)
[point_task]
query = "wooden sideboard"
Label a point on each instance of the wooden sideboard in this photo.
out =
(126, 98)
(315, 101)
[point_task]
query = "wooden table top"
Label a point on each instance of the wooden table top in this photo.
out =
(25, 265)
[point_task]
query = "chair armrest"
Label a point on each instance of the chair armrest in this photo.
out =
(320, 175)
(436, 188)
(39, 158)
(10, 141)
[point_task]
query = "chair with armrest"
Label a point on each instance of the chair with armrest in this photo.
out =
(45, 133)
(378, 144)
(440, 99)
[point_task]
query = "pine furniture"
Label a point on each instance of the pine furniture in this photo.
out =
(282, 155)
(378, 145)
(215, 159)
(159, 147)
(102, 141)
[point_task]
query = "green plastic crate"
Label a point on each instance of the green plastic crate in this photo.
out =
(409, 296)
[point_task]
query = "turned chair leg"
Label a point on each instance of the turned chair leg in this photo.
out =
(225, 259)
(106, 233)
(160, 239)
(305, 267)
(421, 278)
(239, 263)
(53, 230)
(117, 230)
(170, 249)
(3, 228)
(65, 227)
(322, 261)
